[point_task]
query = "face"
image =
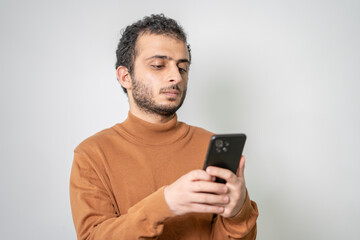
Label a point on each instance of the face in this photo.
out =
(160, 76)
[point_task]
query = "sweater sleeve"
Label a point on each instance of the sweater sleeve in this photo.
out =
(242, 226)
(95, 212)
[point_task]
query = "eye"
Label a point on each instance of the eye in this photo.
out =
(182, 70)
(158, 67)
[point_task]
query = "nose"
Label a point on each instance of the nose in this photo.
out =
(174, 74)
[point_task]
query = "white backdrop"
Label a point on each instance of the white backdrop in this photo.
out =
(286, 73)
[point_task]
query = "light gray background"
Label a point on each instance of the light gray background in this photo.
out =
(286, 73)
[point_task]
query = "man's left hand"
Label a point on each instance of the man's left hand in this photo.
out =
(236, 187)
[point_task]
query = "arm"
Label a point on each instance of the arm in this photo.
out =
(95, 211)
(241, 226)
(238, 221)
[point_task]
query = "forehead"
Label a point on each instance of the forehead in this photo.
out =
(148, 45)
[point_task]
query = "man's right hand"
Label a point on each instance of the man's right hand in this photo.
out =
(196, 191)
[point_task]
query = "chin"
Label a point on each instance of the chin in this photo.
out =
(172, 99)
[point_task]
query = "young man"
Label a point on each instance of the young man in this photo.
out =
(142, 178)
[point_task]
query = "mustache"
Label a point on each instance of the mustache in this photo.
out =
(172, 87)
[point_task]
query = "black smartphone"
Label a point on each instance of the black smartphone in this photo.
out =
(225, 151)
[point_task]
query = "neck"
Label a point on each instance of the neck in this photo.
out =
(144, 132)
(150, 117)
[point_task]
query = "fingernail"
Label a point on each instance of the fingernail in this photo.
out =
(225, 199)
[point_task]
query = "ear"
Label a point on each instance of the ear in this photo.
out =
(124, 77)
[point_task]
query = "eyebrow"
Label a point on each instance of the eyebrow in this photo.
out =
(168, 58)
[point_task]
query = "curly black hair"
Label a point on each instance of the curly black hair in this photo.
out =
(154, 24)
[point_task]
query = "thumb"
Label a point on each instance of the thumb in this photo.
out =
(241, 168)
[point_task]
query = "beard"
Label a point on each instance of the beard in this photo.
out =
(144, 99)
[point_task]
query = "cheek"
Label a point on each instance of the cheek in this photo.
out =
(149, 81)
(153, 80)
(185, 81)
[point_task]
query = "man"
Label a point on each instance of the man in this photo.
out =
(142, 179)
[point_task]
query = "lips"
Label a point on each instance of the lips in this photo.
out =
(172, 90)
(171, 94)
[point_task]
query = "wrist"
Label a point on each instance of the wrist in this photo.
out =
(167, 199)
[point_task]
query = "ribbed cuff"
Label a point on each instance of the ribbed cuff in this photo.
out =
(244, 212)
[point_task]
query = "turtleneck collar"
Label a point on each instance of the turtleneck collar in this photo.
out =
(144, 132)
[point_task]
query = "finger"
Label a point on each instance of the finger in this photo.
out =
(198, 175)
(208, 187)
(208, 198)
(223, 173)
(205, 208)
(241, 169)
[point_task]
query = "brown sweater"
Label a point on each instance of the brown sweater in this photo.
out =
(118, 177)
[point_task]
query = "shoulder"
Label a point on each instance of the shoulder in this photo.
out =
(200, 133)
(97, 140)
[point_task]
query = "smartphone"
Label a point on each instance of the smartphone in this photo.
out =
(225, 151)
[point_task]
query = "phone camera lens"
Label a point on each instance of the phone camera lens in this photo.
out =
(226, 143)
(218, 150)
(224, 149)
(219, 143)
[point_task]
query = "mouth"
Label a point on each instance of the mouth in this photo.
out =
(171, 92)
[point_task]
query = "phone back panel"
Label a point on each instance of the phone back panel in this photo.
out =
(225, 151)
